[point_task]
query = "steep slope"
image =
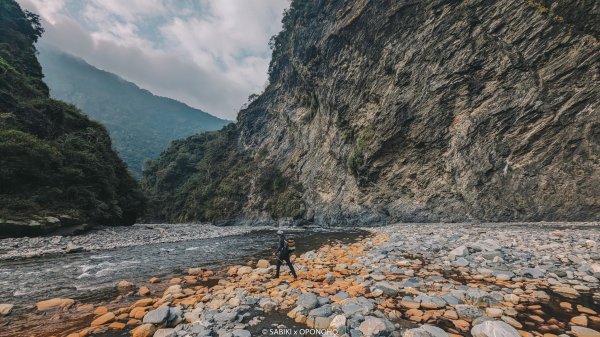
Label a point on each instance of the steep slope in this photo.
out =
(432, 111)
(141, 124)
(56, 166)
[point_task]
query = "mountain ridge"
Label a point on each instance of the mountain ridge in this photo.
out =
(141, 123)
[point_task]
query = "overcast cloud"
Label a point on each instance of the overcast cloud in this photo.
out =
(210, 54)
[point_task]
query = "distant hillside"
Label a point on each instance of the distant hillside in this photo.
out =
(140, 123)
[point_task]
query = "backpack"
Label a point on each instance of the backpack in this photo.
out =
(291, 244)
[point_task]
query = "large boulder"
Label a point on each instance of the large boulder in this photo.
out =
(494, 329)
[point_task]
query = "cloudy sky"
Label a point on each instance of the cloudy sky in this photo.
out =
(210, 54)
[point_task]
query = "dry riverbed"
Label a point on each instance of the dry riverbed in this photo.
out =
(414, 280)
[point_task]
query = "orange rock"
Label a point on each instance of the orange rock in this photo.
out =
(123, 316)
(144, 291)
(108, 317)
(461, 324)
(117, 325)
(85, 307)
(54, 303)
(585, 310)
(100, 311)
(175, 280)
(144, 302)
(355, 291)
(138, 313)
(144, 330)
(73, 335)
(580, 320)
(414, 312)
(525, 333)
(154, 280)
(132, 321)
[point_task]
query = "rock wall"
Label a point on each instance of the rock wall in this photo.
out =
(435, 110)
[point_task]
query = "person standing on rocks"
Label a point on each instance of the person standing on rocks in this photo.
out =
(282, 254)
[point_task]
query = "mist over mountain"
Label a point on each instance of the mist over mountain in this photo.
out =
(140, 123)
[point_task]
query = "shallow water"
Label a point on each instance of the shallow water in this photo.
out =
(90, 277)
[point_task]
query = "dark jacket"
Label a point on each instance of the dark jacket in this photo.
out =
(283, 250)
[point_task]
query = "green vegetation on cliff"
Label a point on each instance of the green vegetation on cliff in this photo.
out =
(206, 177)
(53, 160)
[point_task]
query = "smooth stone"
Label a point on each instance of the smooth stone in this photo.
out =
(308, 301)
(6, 309)
(165, 333)
(144, 330)
(372, 326)
(494, 329)
(106, 318)
(157, 316)
(241, 333)
(580, 331)
(467, 311)
(54, 303)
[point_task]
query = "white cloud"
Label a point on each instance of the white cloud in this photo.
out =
(211, 54)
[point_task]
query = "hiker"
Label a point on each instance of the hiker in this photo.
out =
(283, 254)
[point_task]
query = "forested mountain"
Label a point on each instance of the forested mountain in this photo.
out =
(140, 123)
(383, 111)
(56, 165)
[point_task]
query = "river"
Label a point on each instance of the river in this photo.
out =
(90, 277)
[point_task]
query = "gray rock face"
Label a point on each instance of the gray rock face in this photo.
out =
(463, 127)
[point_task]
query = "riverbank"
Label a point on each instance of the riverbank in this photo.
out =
(406, 280)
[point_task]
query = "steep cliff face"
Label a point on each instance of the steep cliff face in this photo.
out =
(434, 110)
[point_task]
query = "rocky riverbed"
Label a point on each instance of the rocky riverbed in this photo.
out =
(414, 280)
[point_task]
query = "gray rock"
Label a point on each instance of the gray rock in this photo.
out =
(431, 302)
(387, 288)
(241, 333)
(224, 317)
(157, 316)
(425, 331)
(494, 329)
(323, 311)
(459, 251)
(372, 326)
(533, 272)
(461, 262)
(467, 311)
(165, 333)
(308, 301)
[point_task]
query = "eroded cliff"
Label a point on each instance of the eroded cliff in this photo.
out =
(432, 111)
